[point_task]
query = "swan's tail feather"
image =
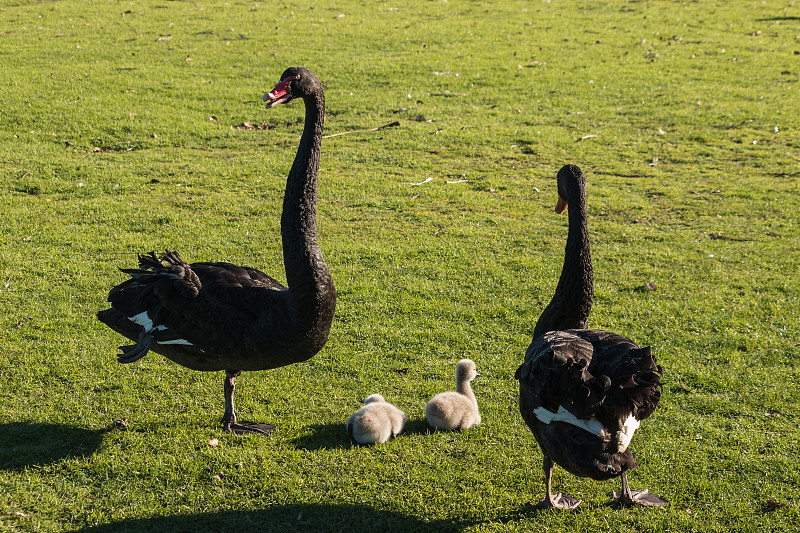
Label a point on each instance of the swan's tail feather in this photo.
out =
(156, 279)
(638, 383)
(172, 257)
(145, 307)
(556, 371)
(152, 265)
(134, 352)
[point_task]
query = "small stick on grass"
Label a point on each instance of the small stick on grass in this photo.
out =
(389, 125)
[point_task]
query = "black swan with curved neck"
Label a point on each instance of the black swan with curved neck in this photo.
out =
(219, 316)
(584, 392)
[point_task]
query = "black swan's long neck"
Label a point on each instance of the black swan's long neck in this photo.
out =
(310, 284)
(572, 301)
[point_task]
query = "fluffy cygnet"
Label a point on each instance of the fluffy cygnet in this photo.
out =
(459, 409)
(376, 422)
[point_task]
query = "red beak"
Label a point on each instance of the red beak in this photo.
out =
(280, 94)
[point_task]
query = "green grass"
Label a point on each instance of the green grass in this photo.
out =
(108, 149)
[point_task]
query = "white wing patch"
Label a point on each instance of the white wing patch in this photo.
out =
(626, 433)
(593, 425)
(184, 342)
(143, 320)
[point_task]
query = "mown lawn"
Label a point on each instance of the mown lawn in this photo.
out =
(127, 127)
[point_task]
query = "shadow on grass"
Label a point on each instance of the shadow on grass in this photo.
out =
(294, 517)
(331, 436)
(417, 427)
(24, 444)
(324, 436)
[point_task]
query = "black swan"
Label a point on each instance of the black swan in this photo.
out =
(584, 392)
(219, 316)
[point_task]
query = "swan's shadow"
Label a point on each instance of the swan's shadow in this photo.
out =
(24, 444)
(292, 517)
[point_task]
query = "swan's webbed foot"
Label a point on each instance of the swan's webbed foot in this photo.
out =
(639, 497)
(559, 501)
(229, 424)
(249, 428)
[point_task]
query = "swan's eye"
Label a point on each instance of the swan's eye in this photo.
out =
(286, 83)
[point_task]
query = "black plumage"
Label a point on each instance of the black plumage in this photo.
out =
(584, 392)
(220, 316)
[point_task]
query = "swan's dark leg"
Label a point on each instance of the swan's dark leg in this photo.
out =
(637, 497)
(559, 501)
(229, 419)
(230, 416)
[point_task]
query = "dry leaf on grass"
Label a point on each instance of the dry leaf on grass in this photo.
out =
(772, 504)
(249, 127)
